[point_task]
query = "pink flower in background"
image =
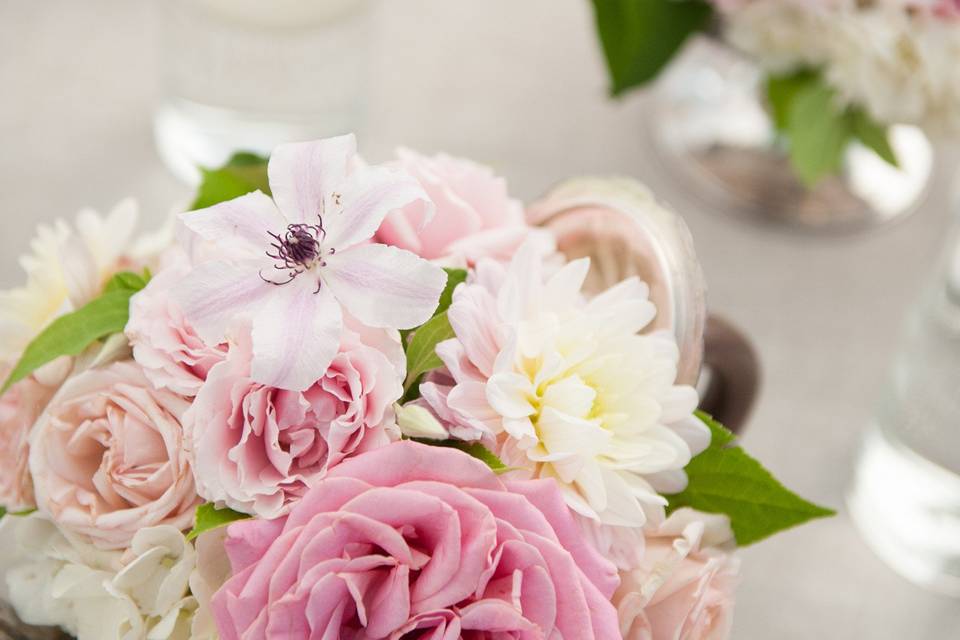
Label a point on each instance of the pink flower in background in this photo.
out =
(417, 541)
(19, 408)
(685, 585)
(107, 457)
(257, 448)
(291, 263)
(172, 354)
(475, 217)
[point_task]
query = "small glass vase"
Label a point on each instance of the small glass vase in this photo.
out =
(905, 497)
(714, 139)
(245, 75)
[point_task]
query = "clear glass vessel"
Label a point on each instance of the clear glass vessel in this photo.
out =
(714, 139)
(906, 493)
(248, 75)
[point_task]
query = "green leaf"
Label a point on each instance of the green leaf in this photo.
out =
(782, 90)
(24, 512)
(725, 479)
(128, 281)
(818, 133)
(421, 353)
(70, 334)
(208, 517)
(475, 449)
(243, 173)
(454, 278)
(639, 37)
(873, 135)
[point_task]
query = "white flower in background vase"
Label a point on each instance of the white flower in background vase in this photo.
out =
(566, 388)
(66, 268)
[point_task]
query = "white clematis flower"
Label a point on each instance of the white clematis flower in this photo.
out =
(296, 259)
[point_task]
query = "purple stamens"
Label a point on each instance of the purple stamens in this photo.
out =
(297, 251)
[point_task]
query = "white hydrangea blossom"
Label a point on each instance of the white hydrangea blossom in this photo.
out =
(55, 579)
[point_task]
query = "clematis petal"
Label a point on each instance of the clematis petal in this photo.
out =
(242, 223)
(295, 336)
(215, 293)
(384, 286)
(367, 196)
(303, 174)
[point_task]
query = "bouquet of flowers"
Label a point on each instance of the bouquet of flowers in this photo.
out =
(837, 71)
(344, 400)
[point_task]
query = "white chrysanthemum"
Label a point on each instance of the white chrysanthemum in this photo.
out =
(567, 387)
(902, 68)
(895, 58)
(54, 579)
(66, 268)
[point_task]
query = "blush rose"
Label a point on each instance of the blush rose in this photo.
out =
(684, 588)
(412, 540)
(474, 217)
(256, 448)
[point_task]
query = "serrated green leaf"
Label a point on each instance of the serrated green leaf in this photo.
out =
(475, 449)
(782, 90)
(873, 135)
(71, 333)
(819, 133)
(208, 517)
(421, 352)
(243, 173)
(725, 479)
(640, 37)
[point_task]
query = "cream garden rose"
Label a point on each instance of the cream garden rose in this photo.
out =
(107, 457)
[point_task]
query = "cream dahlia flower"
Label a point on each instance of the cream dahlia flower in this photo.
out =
(66, 268)
(567, 388)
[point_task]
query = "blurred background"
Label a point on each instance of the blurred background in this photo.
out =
(520, 86)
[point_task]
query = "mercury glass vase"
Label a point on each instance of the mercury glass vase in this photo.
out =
(714, 138)
(905, 496)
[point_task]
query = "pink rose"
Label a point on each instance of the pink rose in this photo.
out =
(107, 457)
(256, 448)
(474, 215)
(414, 541)
(171, 353)
(19, 408)
(684, 589)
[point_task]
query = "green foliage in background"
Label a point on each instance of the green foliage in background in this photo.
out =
(243, 173)
(817, 127)
(640, 37)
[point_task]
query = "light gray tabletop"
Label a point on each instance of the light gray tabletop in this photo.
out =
(521, 86)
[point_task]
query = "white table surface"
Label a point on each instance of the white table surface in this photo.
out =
(521, 86)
